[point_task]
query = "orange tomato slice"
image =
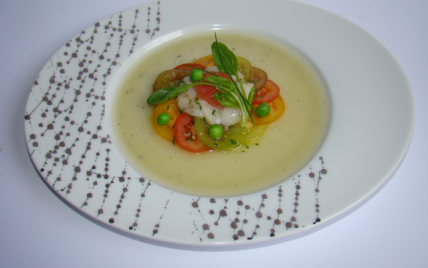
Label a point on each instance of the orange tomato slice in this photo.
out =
(277, 108)
(170, 107)
(206, 61)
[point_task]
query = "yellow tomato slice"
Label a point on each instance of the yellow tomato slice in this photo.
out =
(277, 108)
(170, 107)
(206, 61)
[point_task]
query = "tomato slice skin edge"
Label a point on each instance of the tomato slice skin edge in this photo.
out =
(185, 66)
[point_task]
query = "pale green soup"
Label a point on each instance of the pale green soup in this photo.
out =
(287, 145)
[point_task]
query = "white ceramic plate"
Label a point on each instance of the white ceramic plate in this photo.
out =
(370, 128)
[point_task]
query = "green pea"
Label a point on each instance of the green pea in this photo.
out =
(163, 119)
(216, 131)
(263, 109)
(196, 75)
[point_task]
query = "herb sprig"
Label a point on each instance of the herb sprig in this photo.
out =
(231, 92)
(227, 62)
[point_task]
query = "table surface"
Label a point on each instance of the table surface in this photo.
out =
(389, 230)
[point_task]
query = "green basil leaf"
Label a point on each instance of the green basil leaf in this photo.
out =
(166, 94)
(159, 96)
(224, 59)
(177, 91)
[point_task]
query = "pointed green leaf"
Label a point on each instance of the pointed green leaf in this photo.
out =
(224, 59)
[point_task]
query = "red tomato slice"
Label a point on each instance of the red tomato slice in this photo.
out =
(185, 66)
(206, 92)
(185, 135)
(266, 94)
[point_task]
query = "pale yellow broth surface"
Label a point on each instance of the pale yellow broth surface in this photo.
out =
(286, 147)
